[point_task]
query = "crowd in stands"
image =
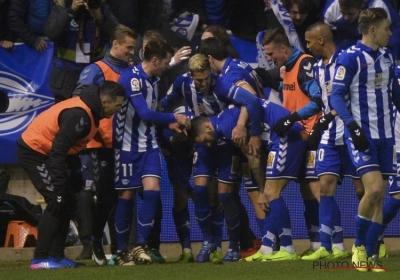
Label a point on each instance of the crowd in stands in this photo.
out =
(133, 80)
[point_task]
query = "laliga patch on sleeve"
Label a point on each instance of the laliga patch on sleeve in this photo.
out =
(135, 84)
(340, 73)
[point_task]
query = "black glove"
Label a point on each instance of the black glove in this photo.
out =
(360, 141)
(316, 133)
(56, 206)
(323, 122)
(285, 123)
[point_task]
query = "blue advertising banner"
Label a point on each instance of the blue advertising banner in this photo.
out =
(24, 76)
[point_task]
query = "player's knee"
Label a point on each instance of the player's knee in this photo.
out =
(126, 194)
(327, 185)
(375, 194)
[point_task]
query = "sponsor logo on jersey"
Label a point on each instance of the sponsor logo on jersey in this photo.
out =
(291, 86)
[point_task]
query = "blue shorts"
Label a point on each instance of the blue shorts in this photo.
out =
(285, 157)
(131, 168)
(379, 157)
(222, 159)
(335, 160)
(394, 181)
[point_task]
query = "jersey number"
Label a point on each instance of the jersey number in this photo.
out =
(321, 154)
(127, 169)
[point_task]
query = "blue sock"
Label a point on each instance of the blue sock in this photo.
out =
(361, 231)
(202, 212)
(260, 225)
(269, 234)
(217, 224)
(337, 234)
(231, 219)
(390, 209)
(182, 224)
(281, 218)
(311, 216)
(146, 215)
(123, 220)
(372, 237)
(326, 219)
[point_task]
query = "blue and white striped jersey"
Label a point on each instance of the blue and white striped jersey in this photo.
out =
(365, 78)
(183, 88)
(133, 127)
(397, 121)
(324, 76)
(235, 70)
(226, 121)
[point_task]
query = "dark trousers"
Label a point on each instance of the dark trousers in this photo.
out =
(52, 231)
(98, 179)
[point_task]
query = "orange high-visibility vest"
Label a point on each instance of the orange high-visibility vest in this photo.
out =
(103, 138)
(40, 134)
(294, 98)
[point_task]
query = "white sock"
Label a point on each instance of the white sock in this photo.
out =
(187, 250)
(289, 249)
(315, 245)
(265, 250)
(339, 246)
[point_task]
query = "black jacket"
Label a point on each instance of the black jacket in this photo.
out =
(5, 32)
(74, 124)
(18, 13)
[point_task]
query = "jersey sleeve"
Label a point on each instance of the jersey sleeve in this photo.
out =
(91, 75)
(309, 85)
(239, 96)
(133, 91)
(345, 70)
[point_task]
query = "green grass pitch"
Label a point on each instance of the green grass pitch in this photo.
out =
(230, 271)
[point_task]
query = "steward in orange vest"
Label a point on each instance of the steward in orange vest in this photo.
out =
(98, 159)
(48, 152)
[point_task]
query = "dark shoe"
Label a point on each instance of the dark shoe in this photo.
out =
(155, 256)
(86, 253)
(98, 254)
(124, 258)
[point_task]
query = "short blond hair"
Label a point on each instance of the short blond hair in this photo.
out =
(370, 17)
(198, 63)
(120, 32)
